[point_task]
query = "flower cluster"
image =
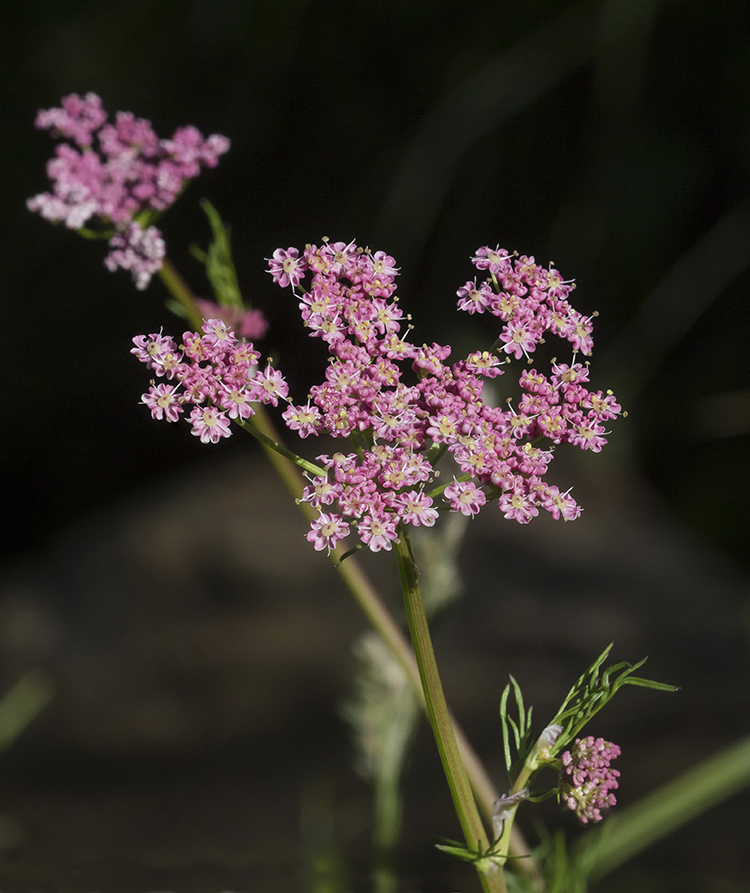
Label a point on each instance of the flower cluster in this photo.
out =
(402, 407)
(529, 298)
(133, 173)
(586, 781)
(400, 429)
(217, 373)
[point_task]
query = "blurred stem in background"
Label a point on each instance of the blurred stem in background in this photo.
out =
(383, 708)
(382, 711)
(22, 703)
(322, 867)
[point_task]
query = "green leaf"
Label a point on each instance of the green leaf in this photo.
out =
(460, 852)
(346, 555)
(593, 690)
(520, 727)
(218, 261)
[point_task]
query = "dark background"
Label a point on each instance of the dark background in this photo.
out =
(611, 137)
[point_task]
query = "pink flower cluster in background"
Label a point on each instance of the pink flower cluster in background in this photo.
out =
(132, 172)
(250, 324)
(586, 781)
(402, 406)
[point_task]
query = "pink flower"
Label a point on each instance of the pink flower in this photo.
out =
(342, 257)
(414, 507)
(138, 250)
(519, 339)
(216, 331)
(560, 505)
(578, 333)
(401, 423)
(381, 265)
(322, 492)
(565, 377)
(536, 383)
(188, 148)
(386, 315)
(377, 532)
(154, 351)
(326, 531)
(77, 119)
(302, 419)
(484, 363)
(269, 386)
(286, 267)
(465, 497)
(473, 298)
(443, 427)
(602, 408)
(237, 403)
(588, 437)
(209, 424)
(162, 402)
(430, 359)
(495, 260)
(517, 505)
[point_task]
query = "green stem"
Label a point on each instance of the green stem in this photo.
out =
(382, 621)
(436, 491)
(440, 719)
(276, 447)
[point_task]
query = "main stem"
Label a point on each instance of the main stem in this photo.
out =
(440, 719)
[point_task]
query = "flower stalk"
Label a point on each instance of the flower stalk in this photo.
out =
(440, 719)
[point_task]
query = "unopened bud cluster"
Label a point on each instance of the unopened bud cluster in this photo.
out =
(586, 780)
